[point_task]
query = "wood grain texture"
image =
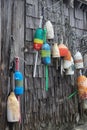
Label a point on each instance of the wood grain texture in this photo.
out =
(40, 109)
(11, 25)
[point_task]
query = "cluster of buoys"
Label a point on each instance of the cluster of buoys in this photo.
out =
(69, 62)
(62, 51)
(58, 50)
(40, 41)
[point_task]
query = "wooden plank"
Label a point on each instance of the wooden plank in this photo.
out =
(0, 30)
(32, 22)
(71, 16)
(30, 10)
(79, 14)
(18, 34)
(29, 34)
(29, 58)
(66, 10)
(18, 31)
(79, 32)
(79, 23)
(29, 1)
(5, 32)
(85, 20)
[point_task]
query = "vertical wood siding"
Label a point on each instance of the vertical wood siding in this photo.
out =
(40, 110)
(11, 25)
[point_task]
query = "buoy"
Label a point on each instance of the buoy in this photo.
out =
(38, 38)
(46, 53)
(78, 60)
(70, 70)
(63, 50)
(50, 31)
(55, 51)
(13, 109)
(85, 104)
(19, 89)
(38, 41)
(67, 60)
(82, 86)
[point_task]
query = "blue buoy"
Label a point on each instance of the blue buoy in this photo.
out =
(46, 53)
(18, 77)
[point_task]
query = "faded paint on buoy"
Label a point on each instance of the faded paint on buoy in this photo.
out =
(55, 51)
(50, 31)
(82, 86)
(13, 108)
(78, 59)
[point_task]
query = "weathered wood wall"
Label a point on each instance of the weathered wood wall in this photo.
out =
(48, 110)
(40, 109)
(11, 44)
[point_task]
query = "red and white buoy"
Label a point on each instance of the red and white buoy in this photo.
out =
(78, 59)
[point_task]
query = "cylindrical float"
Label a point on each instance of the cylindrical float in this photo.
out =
(46, 53)
(38, 38)
(82, 86)
(78, 60)
(19, 89)
(50, 31)
(13, 108)
(67, 60)
(55, 51)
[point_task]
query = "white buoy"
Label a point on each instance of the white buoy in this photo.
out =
(78, 59)
(50, 31)
(13, 108)
(55, 51)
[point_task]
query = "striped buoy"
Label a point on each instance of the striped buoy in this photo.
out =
(78, 59)
(19, 89)
(46, 53)
(38, 38)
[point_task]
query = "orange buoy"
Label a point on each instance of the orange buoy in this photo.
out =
(82, 86)
(63, 50)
